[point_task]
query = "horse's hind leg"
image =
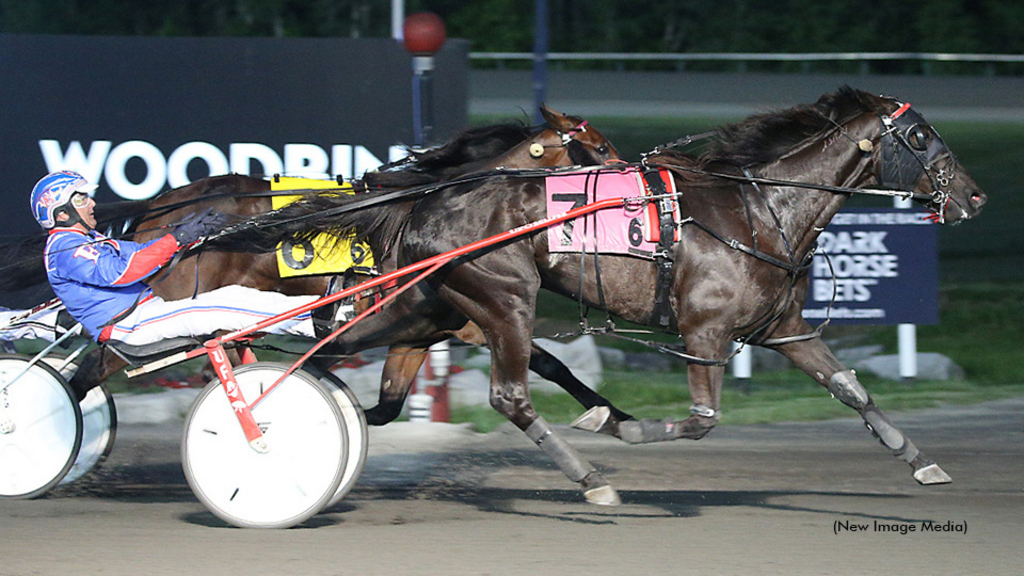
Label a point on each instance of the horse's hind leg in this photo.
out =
(503, 308)
(814, 358)
(547, 366)
(511, 398)
(400, 370)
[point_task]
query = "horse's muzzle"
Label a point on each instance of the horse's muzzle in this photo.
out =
(975, 200)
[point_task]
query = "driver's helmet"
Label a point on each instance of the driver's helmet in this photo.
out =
(54, 191)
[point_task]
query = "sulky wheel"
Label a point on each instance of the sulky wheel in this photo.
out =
(358, 436)
(308, 448)
(40, 428)
(99, 428)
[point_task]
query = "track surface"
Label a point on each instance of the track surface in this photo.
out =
(441, 500)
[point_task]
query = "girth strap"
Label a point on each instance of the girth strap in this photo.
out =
(663, 315)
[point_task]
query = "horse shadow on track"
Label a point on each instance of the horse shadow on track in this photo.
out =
(461, 477)
(566, 505)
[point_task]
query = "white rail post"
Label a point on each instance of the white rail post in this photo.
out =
(906, 333)
(742, 363)
(397, 18)
(440, 362)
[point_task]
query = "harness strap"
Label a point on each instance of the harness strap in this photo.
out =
(663, 315)
(794, 270)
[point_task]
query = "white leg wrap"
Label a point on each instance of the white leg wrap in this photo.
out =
(889, 436)
(844, 386)
(565, 456)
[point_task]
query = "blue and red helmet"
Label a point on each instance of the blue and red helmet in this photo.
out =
(53, 192)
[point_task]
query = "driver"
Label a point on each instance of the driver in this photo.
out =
(101, 281)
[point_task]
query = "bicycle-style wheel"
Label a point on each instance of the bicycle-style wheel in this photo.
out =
(99, 428)
(308, 446)
(358, 436)
(40, 428)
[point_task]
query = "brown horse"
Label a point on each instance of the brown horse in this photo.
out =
(566, 140)
(752, 208)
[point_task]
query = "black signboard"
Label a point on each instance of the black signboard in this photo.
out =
(138, 115)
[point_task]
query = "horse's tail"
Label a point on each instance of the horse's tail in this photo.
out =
(21, 263)
(378, 224)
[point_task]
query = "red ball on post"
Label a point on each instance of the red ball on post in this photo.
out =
(423, 33)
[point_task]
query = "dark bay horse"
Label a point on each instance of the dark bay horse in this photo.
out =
(566, 140)
(752, 208)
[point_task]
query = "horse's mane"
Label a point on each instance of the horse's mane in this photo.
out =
(379, 224)
(764, 138)
(442, 162)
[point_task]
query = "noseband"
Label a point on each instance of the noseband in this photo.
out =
(910, 148)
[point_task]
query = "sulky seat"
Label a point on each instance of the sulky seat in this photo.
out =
(146, 353)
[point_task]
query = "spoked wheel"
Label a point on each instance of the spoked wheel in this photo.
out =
(299, 474)
(99, 427)
(358, 437)
(40, 428)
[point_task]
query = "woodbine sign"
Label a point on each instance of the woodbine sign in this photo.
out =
(102, 160)
(138, 115)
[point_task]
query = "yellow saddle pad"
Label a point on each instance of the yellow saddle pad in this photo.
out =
(327, 253)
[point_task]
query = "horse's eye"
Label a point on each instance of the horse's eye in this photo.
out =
(602, 149)
(918, 137)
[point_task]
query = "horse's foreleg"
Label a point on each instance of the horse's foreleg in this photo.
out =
(705, 392)
(705, 384)
(815, 359)
(400, 370)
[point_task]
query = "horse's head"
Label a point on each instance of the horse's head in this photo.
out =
(914, 159)
(565, 141)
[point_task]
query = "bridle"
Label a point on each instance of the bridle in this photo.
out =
(566, 138)
(897, 172)
(910, 148)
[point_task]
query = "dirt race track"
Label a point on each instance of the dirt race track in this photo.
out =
(441, 500)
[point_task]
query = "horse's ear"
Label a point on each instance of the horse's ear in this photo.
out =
(556, 120)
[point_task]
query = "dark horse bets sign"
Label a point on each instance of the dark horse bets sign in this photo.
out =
(881, 267)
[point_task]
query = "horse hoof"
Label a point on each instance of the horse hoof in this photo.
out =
(931, 474)
(598, 419)
(631, 431)
(602, 496)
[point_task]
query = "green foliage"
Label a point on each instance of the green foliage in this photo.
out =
(787, 396)
(575, 25)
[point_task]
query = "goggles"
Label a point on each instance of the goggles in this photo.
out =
(80, 199)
